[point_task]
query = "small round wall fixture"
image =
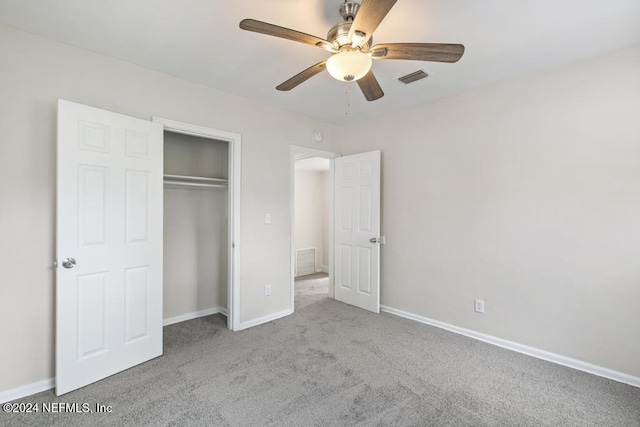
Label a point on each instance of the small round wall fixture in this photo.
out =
(317, 136)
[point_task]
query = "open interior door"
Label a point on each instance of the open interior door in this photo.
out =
(109, 244)
(357, 230)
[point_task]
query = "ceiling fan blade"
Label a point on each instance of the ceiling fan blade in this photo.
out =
(303, 76)
(434, 52)
(285, 33)
(370, 87)
(369, 16)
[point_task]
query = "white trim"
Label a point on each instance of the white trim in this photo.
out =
(332, 213)
(298, 152)
(264, 319)
(324, 269)
(521, 348)
(194, 315)
(235, 151)
(27, 390)
(195, 130)
(301, 153)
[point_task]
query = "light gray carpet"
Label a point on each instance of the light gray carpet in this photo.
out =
(332, 364)
(310, 289)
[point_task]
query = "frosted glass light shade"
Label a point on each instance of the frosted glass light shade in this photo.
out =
(349, 65)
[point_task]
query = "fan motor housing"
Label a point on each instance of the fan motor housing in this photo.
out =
(348, 10)
(338, 35)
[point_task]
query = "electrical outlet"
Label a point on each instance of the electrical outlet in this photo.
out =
(267, 290)
(267, 218)
(479, 306)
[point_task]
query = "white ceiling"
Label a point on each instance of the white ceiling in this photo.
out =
(200, 41)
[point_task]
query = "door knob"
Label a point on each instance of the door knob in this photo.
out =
(69, 262)
(374, 240)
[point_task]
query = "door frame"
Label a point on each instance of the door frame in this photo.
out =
(298, 152)
(235, 141)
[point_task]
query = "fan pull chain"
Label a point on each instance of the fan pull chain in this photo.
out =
(347, 105)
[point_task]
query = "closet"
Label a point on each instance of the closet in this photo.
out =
(196, 226)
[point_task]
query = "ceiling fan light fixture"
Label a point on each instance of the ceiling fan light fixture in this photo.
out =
(351, 44)
(349, 65)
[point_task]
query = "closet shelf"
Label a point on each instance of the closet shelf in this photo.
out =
(195, 181)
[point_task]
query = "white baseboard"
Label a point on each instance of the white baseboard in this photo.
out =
(265, 319)
(521, 348)
(26, 390)
(324, 269)
(195, 315)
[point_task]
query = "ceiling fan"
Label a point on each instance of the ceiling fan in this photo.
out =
(352, 48)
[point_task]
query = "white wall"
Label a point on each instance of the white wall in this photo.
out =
(195, 227)
(35, 73)
(195, 251)
(311, 227)
(525, 194)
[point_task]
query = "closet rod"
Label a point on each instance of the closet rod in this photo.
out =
(194, 178)
(194, 184)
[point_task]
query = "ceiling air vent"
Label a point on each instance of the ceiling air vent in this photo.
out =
(413, 77)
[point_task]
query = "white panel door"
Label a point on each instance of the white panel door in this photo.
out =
(357, 230)
(109, 244)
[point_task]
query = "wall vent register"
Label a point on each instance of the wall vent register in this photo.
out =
(305, 261)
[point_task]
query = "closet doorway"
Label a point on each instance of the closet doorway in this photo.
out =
(312, 225)
(201, 222)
